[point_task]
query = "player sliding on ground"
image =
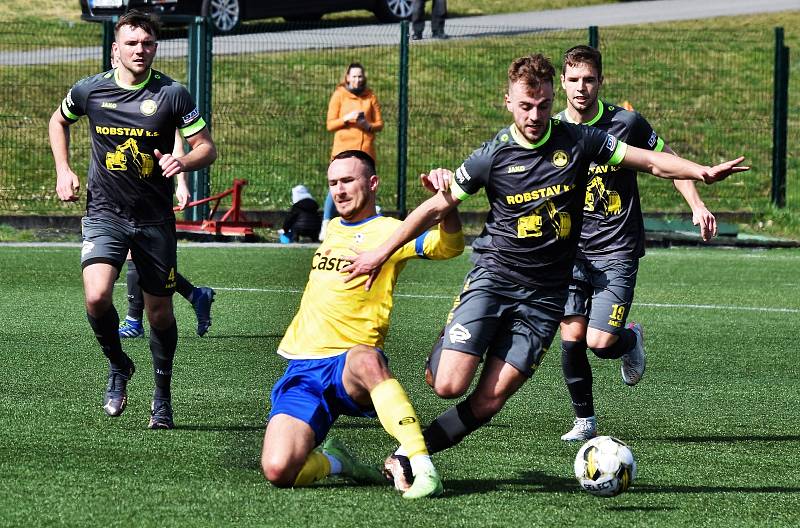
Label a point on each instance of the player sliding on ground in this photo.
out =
(535, 174)
(334, 345)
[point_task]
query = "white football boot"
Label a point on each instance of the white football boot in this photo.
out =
(583, 429)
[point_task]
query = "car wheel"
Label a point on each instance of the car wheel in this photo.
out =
(225, 15)
(392, 10)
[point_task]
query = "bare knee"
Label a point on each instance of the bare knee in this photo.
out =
(160, 314)
(365, 367)
(279, 472)
(97, 303)
(367, 361)
(600, 340)
(448, 388)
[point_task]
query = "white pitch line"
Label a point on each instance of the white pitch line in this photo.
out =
(720, 307)
(649, 305)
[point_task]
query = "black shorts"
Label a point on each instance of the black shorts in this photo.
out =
(602, 292)
(496, 316)
(153, 249)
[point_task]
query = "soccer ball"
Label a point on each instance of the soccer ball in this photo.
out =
(604, 466)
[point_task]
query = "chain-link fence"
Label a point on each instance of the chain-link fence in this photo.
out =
(709, 94)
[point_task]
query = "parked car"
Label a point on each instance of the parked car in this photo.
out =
(226, 15)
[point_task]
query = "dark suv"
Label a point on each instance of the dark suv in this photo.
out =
(226, 15)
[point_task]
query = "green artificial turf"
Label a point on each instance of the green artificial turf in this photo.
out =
(713, 424)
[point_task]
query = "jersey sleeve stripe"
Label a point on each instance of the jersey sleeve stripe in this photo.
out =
(619, 153)
(659, 145)
(458, 192)
(66, 113)
(194, 128)
(419, 245)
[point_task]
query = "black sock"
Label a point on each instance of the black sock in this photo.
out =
(162, 346)
(626, 340)
(578, 377)
(135, 297)
(106, 330)
(450, 427)
(184, 287)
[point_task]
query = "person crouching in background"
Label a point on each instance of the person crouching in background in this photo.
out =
(303, 219)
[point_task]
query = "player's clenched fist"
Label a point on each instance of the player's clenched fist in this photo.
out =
(170, 165)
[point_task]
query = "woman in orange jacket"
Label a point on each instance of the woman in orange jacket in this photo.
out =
(354, 116)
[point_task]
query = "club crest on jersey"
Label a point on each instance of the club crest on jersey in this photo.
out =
(560, 159)
(358, 238)
(148, 107)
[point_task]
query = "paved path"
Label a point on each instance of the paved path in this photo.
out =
(622, 13)
(625, 13)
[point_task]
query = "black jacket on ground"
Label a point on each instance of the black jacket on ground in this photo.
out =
(303, 219)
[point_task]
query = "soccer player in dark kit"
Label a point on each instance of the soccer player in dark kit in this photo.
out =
(611, 243)
(133, 113)
(535, 173)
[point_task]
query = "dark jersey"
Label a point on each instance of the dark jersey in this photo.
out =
(536, 194)
(126, 124)
(612, 215)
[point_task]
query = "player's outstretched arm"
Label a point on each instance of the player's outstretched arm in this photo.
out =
(430, 212)
(673, 167)
(67, 182)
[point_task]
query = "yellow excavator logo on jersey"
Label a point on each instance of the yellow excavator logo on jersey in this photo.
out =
(118, 160)
(597, 196)
(531, 225)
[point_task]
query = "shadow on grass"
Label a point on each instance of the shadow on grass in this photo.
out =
(667, 488)
(239, 336)
(532, 481)
(221, 428)
(726, 439)
(640, 508)
(539, 482)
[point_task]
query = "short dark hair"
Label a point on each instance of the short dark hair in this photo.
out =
(138, 19)
(360, 154)
(583, 54)
(533, 70)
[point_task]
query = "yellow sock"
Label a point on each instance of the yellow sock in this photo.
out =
(397, 416)
(317, 467)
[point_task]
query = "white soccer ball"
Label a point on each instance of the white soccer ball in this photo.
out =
(604, 466)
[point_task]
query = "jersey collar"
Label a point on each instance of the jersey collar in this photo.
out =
(352, 224)
(592, 121)
(520, 139)
(135, 86)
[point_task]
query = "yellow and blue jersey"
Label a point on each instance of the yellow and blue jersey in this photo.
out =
(335, 315)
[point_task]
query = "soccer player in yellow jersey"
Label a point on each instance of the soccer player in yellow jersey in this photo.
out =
(334, 344)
